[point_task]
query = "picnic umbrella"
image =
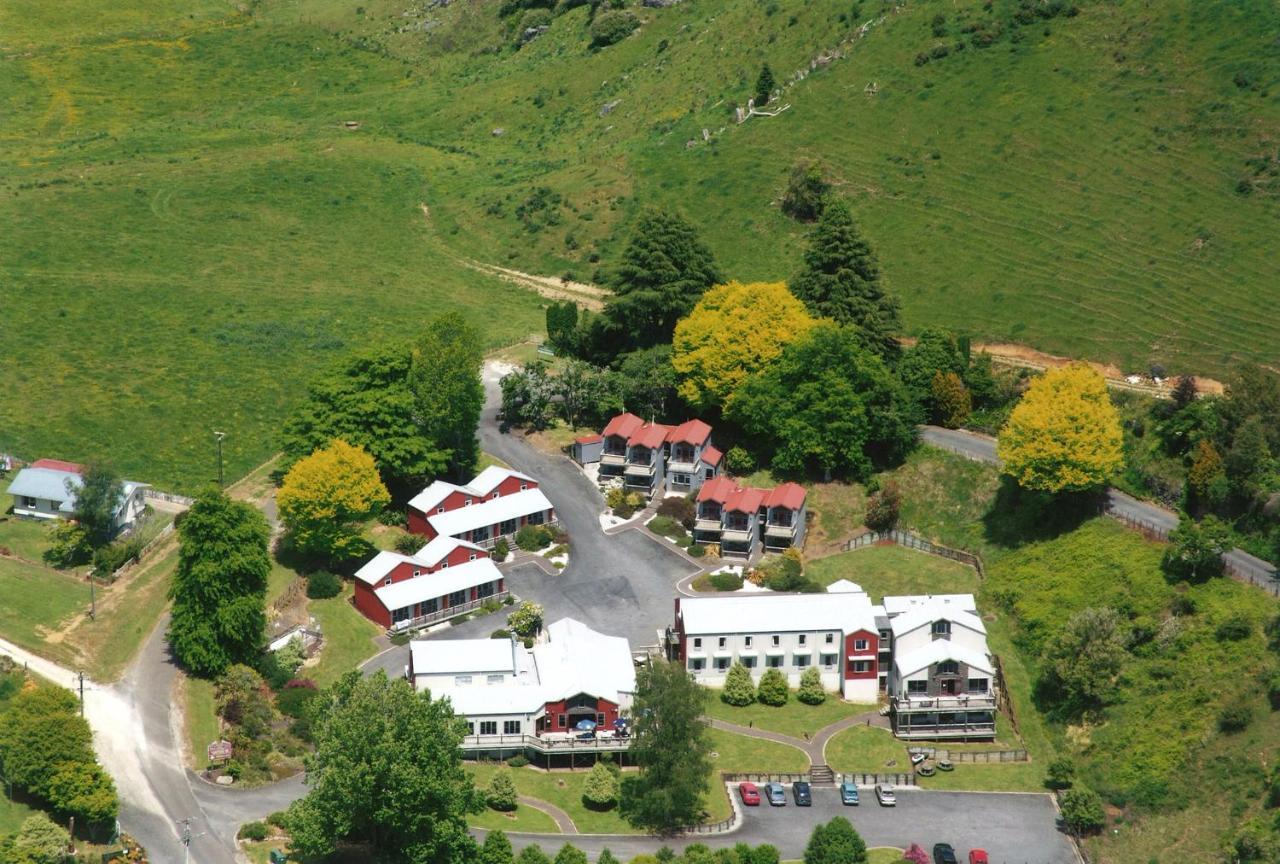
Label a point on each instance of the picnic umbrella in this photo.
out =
(586, 725)
(620, 723)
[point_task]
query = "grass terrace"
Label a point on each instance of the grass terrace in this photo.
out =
(348, 638)
(795, 718)
(893, 570)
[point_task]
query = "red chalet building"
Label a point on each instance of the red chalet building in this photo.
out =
(444, 578)
(498, 502)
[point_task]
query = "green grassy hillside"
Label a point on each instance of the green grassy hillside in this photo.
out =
(191, 228)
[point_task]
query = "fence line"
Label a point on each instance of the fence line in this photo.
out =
(1270, 583)
(983, 756)
(911, 540)
(168, 496)
(898, 779)
(143, 552)
(877, 779)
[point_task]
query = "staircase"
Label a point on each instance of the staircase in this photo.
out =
(822, 775)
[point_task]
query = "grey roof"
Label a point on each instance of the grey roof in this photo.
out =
(50, 484)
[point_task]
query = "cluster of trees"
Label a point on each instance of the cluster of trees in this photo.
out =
(740, 690)
(46, 750)
(584, 394)
(413, 407)
(40, 840)
(496, 849)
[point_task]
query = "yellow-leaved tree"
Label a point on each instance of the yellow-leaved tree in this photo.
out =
(1064, 435)
(325, 497)
(734, 331)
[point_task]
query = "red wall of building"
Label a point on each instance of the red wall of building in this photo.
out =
(417, 523)
(512, 485)
(553, 710)
(873, 647)
(462, 555)
(370, 606)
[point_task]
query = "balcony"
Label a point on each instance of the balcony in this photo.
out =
(607, 458)
(945, 730)
(708, 525)
(963, 702)
(737, 532)
(774, 529)
(445, 614)
(640, 469)
(550, 742)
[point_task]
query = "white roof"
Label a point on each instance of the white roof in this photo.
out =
(479, 487)
(398, 595)
(427, 500)
(463, 656)
(940, 649)
(926, 613)
(899, 604)
(440, 548)
(51, 484)
(488, 479)
(844, 586)
(767, 612)
(489, 512)
(376, 568)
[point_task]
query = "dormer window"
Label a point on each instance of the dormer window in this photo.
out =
(473, 557)
(388, 582)
(440, 509)
(494, 495)
(948, 667)
(942, 628)
(417, 573)
(466, 503)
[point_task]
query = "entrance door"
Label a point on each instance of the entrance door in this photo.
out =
(949, 687)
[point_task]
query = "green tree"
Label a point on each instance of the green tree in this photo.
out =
(219, 589)
(663, 271)
(835, 842)
(612, 27)
(68, 546)
(601, 789)
(951, 400)
(97, 498)
(1206, 478)
(501, 794)
(366, 401)
(326, 497)
(648, 381)
(1194, 553)
(1248, 461)
(1184, 392)
(532, 854)
(526, 396)
(739, 689)
(526, 620)
(1253, 392)
(496, 849)
(883, 508)
(386, 771)
(562, 325)
(1085, 657)
(671, 747)
(1064, 435)
(42, 730)
(806, 194)
(827, 404)
(83, 790)
(1082, 810)
(444, 375)
(606, 857)
(841, 280)
(40, 840)
(811, 691)
(765, 85)
(569, 854)
(936, 350)
(773, 688)
(1060, 773)
(588, 395)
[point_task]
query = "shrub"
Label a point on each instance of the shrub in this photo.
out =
(1060, 774)
(407, 544)
(739, 461)
(786, 573)
(518, 761)
(773, 688)
(601, 789)
(1195, 550)
(501, 794)
(293, 703)
(883, 508)
(500, 634)
(501, 549)
(811, 691)
(526, 620)
(806, 192)
(1082, 810)
(278, 819)
(726, 581)
(696, 550)
(68, 546)
(666, 526)
(1234, 718)
(1273, 691)
(531, 538)
(1235, 627)
(321, 585)
(681, 509)
(110, 558)
(253, 831)
(609, 28)
(739, 689)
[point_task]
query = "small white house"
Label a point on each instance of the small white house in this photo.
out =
(46, 489)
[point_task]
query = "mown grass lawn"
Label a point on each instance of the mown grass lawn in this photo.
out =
(348, 638)
(37, 599)
(201, 719)
(561, 788)
(24, 538)
(894, 570)
(738, 754)
(1006, 777)
(867, 750)
(795, 718)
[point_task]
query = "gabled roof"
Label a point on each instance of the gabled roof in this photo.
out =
(464, 656)
(925, 614)
(50, 484)
(788, 495)
(428, 499)
(777, 613)
(717, 489)
(588, 439)
(690, 432)
(401, 594)
(651, 435)
(935, 652)
(58, 465)
(844, 586)
(711, 455)
(896, 605)
(746, 500)
(623, 424)
(441, 547)
(380, 566)
(489, 479)
(489, 512)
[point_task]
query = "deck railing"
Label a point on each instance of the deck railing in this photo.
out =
(444, 614)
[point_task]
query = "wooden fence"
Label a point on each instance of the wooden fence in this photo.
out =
(877, 779)
(976, 756)
(914, 541)
(142, 553)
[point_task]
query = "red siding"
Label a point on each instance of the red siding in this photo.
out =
(553, 710)
(370, 606)
(453, 501)
(417, 523)
(512, 485)
(401, 572)
(873, 647)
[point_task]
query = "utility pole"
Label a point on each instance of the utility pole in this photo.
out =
(187, 837)
(80, 675)
(219, 436)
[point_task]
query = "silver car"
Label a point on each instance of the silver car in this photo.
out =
(885, 795)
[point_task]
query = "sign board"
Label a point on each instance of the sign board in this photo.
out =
(219, 750)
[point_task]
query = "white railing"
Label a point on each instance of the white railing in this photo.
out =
(449, 612)
(545, 744)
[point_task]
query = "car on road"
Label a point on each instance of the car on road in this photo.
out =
(750, 794)
(802, 793)
(848, 794)
(776, 795)
(978, 856)
(885, 795)
(943, 853)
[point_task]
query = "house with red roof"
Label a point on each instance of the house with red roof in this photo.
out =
(649, 456)
(46, 489)
(742, 519)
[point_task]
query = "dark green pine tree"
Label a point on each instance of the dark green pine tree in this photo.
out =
(764, 86)
(841, 280)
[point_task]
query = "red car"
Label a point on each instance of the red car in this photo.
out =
(750, 794)
(978, 856)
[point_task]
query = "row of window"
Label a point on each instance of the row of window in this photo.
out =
(490, 727)
(443, 564)
(466, 502)
(974, 686)
(802, 639)
(800, 661)
(463, 680)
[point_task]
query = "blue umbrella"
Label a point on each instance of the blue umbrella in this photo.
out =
(586, 725)
(620, 723)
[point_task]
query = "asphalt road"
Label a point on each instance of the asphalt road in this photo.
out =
(983, 449)
(1013, 828)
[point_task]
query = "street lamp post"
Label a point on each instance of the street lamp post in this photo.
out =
(219, 436)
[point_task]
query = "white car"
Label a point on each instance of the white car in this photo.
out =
(885, 795)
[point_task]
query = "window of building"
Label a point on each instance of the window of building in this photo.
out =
(444, 564)
(466, 503)
(681, 479)
(861, 665)
(461, 680)
(802, 660)
(774, 662)
(829, 660)
(457, 598)
(917, 687)
(488, 727)
(30, 502)
(524, 486)
(948, 667)
(536, 518)
(777, 640)
(722, 663)
(803, 638)
(493, 679)
(831, 637)
(510, 727)
(440, 509)
(697, 642)
(471, 728)
(885, 636)
(417, 573)
(473, 557)
(494, 495)
(600, 719)
(941, 628)
(696, 664)
(562, 723)
(749, 662)
(388, 582)
(977, 685)
(746, 641)
(723, 641)
(860, 644)
(486, 590)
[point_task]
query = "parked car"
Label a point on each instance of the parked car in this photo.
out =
(885, 795)
(978, 856)
(776, 795)
(848, 794)
(918, 757)
(804, 796)
(943, 853)
(750, 794)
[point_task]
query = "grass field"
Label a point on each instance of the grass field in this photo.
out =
(867, 750)
(348, 638)
(795, 718)
(882, 570)
(36, 600)
(201, 719)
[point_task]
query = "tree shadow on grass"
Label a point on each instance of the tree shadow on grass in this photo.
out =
(1019, 516)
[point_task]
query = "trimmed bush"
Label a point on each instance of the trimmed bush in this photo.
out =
(531, 538)
(726, 581)
(811, 691)
(500, 633)
(253, 831)
(501, 549)
(696, 550)
(602, 788)
(321, 585)
(739, 689)
(1082, 810)
(1060, 774)
(407, 544)
(883, 508)
(681, 510)
(278, 819)
(501, 794)
(773, 688)
(610, 28)
(518, 761)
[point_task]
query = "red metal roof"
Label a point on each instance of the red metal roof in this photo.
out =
(788, 495)
(711, 455)
(717, 489)
(624, 425)
(746, 500)
(58, 465)
(650, 435)
(690, 432)
(587, 439)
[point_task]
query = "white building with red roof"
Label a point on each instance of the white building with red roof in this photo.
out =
(650, 456)
(742, 519)
(498, 502)
(46, 489)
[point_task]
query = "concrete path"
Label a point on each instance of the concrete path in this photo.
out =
(815, 747)
(562, 819)
(764, 735)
